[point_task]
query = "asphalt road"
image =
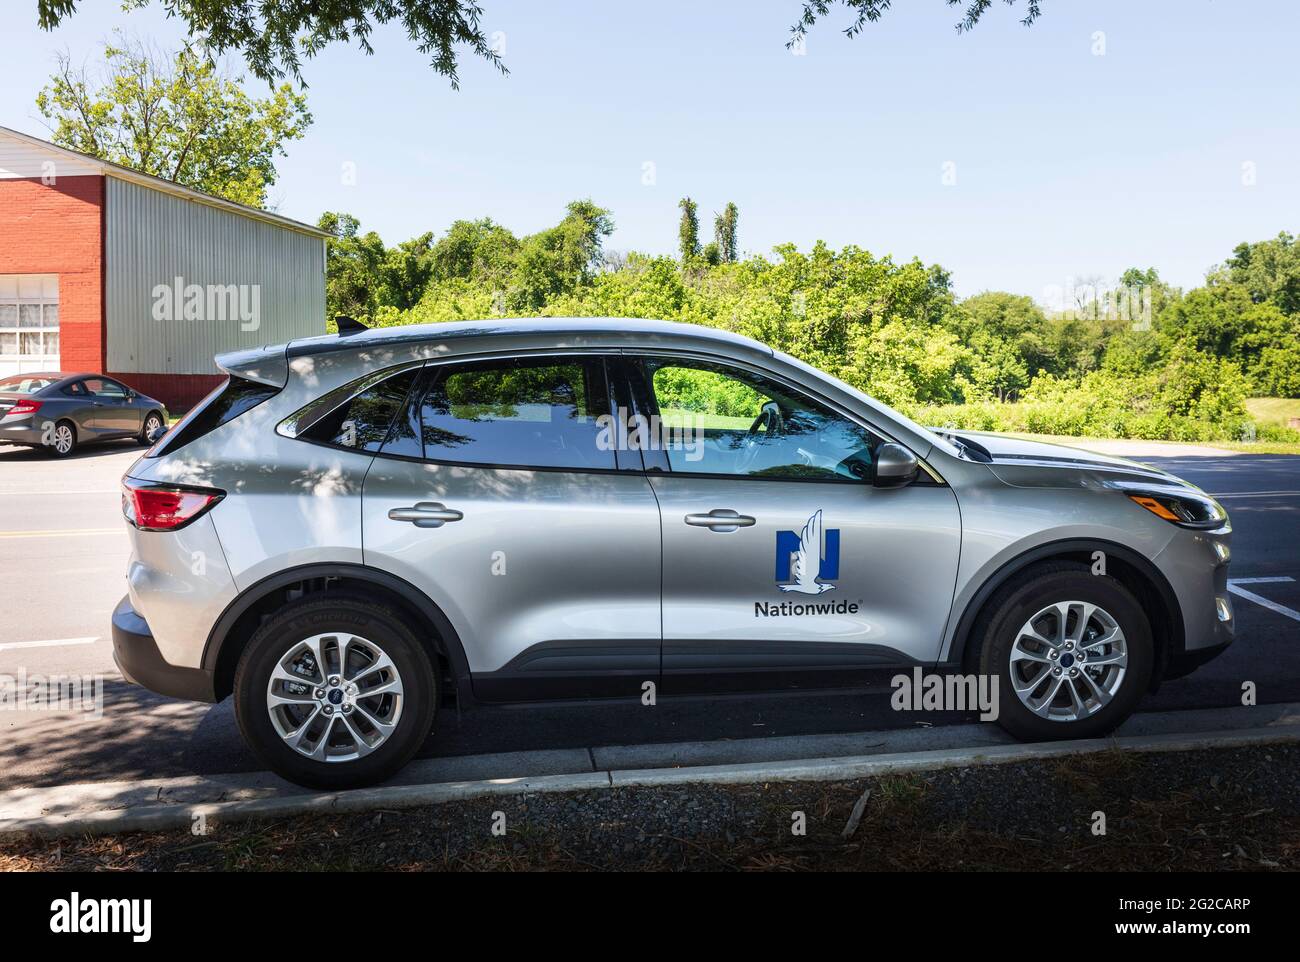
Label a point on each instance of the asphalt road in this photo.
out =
(63, 552)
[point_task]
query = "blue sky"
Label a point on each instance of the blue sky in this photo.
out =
(1067, 164)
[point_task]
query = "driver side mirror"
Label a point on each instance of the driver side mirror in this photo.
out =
(896, 466)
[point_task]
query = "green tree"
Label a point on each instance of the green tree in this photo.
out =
(1269, 271)
(724, 233)
(553, 262)
(270, 33)
(479, 250)
(688, 231)
(869, 11)
(177, 117)
(354, 265)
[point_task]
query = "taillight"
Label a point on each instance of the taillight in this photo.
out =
(165, 507)
(25, 406)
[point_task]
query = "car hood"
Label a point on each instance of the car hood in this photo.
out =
(1037, 464)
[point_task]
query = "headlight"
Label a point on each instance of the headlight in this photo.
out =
(1186, 508)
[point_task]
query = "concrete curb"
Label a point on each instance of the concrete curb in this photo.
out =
(156, 818)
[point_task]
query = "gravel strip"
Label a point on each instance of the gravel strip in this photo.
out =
(1224, 809)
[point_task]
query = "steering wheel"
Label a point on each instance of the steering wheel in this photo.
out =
(771, 423)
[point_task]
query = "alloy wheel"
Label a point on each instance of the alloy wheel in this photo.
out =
(1069, 661)
(63, 439)
(335, 697)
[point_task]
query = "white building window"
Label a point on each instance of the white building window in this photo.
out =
(29, 323)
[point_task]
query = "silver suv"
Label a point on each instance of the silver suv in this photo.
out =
(354, 528)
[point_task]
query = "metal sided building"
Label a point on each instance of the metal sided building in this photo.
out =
(108, 270)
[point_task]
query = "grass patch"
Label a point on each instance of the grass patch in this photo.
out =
(1273, 410)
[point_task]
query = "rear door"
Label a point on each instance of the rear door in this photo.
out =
(502, 498)
(781, 560)
(83, 409)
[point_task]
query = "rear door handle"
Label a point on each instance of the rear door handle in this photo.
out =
(426, 514)
(720, 519)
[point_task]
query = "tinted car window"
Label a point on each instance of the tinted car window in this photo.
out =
(722, 420)
(364, 421)
(228, 401)
(539, 412)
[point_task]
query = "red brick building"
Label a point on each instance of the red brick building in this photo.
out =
(108, 270)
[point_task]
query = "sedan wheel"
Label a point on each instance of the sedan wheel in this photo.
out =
(64, 439)
(151, 424)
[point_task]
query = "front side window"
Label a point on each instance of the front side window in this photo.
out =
(518, 412)
(723, 420)
(102, 387)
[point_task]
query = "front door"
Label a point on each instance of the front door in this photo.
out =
(114, 413)
(539, 541)
(781, 560)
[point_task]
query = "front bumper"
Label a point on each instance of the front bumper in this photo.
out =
(140, 661)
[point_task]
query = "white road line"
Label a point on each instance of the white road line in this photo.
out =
(56, 643)
(70, 533)
(1258, 494)
(30, 494)
(1283, 610)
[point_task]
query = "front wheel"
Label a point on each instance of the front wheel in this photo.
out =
(151, 424)
(335, 693)
(1072, 652)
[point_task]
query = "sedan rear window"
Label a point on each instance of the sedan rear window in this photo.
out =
(25, 384)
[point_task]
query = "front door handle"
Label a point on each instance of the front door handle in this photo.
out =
(426, 514)
(720, 519)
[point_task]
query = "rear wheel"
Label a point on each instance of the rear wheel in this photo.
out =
(1072, 652)
(62, 440)
(335, 693)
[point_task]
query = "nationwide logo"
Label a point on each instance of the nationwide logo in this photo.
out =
(805, 561)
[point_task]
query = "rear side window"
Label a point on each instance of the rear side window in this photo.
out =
(363, 422)
(530, 412)
(231, 399)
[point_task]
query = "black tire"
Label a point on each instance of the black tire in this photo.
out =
(146, 428)
(53, 448)
(344, 614)
(1014, 604)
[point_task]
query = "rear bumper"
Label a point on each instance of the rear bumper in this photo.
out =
(140, 661)
(22, 431)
